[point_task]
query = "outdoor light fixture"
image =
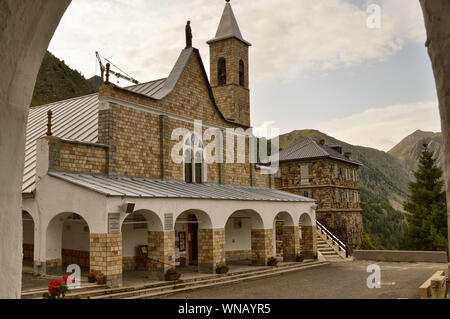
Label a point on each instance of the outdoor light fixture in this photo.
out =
(128, 208)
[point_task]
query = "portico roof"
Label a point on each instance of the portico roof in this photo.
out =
(117, 186)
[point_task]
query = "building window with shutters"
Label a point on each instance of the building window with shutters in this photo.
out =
(304, 174)
(338, 197)
(336, 171)
(222, 71)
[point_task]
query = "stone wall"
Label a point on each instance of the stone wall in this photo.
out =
(291, 242)
(77, 156)
(308, 243)
(233, 99)
(236, 255)
(347, 226)
(262, 246)
(211, 249)
(161, 251)
(106, 256)
(140, 141)
(338, 196)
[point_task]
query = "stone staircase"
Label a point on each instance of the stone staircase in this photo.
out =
(160, 289)
(329, 246)
(327, 251)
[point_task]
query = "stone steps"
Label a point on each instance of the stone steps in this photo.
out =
(37, 293)
(224, 280)
(163, 288)
(326, 250)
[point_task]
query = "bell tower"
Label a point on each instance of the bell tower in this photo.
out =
(229, 70)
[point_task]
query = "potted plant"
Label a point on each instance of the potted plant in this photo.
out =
(222, 268)
(299, 258)
(101, 278)
(272, 261)
(172, 274)
(57, 289)
(92, 276)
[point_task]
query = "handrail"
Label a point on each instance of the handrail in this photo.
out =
(336, 241)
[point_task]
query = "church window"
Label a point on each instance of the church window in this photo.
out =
(222, 71)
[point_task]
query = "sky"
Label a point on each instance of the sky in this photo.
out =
(314, 64)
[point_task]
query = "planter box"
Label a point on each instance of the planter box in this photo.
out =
(172, 277)
(222, 270)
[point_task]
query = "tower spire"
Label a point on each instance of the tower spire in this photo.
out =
(228, 26)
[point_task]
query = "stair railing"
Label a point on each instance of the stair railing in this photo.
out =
(336, 241)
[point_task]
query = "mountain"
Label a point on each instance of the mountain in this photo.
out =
(409, 149)
(96, 82)
(56, 81)
(384, 187)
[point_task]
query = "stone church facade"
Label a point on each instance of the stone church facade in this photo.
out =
(313, 169)
(102, 183)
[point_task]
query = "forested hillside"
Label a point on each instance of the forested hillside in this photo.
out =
(56, 82)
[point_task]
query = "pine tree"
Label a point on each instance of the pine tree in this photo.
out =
(427, 221)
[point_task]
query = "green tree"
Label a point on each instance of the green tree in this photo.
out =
(427, 221)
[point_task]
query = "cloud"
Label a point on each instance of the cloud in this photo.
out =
(290, 37)
(267, 129)
(383, 128)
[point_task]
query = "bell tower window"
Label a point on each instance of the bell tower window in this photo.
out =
(241, 73)
(222, 71)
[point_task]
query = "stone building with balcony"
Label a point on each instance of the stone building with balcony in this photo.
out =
(313, 169)
(101, 187)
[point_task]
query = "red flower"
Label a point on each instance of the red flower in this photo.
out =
(65, 278)
(55, 283)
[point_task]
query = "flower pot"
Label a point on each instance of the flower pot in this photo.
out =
(272, 263)
(172, 277)
(101, 281)
(222, 270)
(91, 280)
(299, 259)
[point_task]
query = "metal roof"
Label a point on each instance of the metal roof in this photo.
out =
(117, 186)
(309, 148)
(149, 88)
(74, 119)
(228, 27)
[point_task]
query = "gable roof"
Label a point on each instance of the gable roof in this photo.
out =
(77, 118)
(309, 148)
(228, 27)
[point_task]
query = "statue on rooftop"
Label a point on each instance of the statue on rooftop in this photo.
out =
(188, 35)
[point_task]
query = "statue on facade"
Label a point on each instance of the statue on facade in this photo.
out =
(188, 35)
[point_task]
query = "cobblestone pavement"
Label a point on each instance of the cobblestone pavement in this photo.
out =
(337, 280)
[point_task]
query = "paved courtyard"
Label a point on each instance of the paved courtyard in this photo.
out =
(345, 280)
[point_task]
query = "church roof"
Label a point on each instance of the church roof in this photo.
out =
(138, 187)
(228, 27)
(309, 148)
(77, 118)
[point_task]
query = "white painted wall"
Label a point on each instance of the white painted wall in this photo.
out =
(238, 239)
(74, 235)
(28, 230)
(131, 238)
